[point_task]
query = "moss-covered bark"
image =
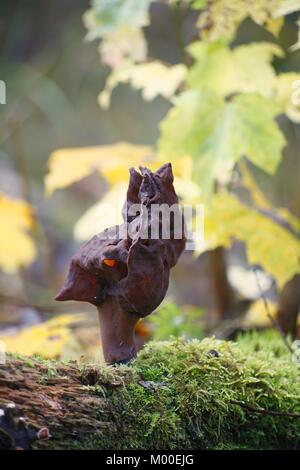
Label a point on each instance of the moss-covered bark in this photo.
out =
(175, 395)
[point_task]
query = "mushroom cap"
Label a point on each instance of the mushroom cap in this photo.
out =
(125, 263)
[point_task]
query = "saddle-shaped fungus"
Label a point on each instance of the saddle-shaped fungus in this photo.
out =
(124, 270)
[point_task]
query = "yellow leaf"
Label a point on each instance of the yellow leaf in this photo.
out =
(261, 201)
(274, 25)
(257, 316)
(256, 193)
(48, 339)
(267, 243)
(16, 246)
(156, 78)
(66, 166)
(221, 18)
(153, 78)
(182, 167)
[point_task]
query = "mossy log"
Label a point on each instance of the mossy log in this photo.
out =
(176, 395)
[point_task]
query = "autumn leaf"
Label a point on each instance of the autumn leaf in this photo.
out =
(221, 18)
(261, 201)
(48, 339)
(268, 244)
(16, 245)
(66, 166)
(257, 317)
(153, 78)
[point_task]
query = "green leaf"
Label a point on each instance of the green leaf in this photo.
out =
(217, 133)
(244, 69)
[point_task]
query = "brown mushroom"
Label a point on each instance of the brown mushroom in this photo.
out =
(124, 271)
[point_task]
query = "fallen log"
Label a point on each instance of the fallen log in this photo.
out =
(176, 395)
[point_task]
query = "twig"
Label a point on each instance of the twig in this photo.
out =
(270, 316)
(247, 406)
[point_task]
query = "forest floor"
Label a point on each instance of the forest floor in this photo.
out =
(176, 394)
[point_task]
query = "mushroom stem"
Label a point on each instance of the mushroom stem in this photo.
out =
(117, 331)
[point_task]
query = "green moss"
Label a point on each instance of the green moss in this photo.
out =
(183, 395)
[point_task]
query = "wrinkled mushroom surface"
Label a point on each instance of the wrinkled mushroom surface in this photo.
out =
(123, 270)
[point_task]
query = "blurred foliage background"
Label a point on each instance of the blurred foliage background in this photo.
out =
(213, 87)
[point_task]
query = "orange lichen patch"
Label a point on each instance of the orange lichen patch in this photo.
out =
(110, 262)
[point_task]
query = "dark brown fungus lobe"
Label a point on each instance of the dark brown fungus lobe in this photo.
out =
(124, 271)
